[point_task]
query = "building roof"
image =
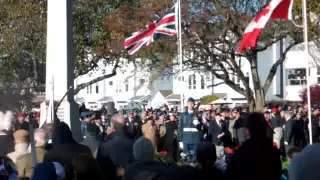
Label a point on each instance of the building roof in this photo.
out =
(173, 97)
(106, 99)
(140, 98)
(165, 93)
(136, 98)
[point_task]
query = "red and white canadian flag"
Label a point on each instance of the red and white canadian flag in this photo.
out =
(276, 9)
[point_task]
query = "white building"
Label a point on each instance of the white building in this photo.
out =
(290, 78)
(134, 84)
(130, 84)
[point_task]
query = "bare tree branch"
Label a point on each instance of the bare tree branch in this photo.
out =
(274, 67)
(84, 85)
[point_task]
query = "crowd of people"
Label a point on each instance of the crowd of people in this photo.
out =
(213, 143)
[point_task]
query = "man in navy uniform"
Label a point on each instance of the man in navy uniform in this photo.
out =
(188, 130)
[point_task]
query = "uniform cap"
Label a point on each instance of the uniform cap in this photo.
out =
(86, 113)
(190, 99)
(92, 129)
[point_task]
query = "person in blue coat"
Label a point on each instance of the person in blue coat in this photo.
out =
(188, 129)
(86, 119)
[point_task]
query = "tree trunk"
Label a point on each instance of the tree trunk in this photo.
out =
(256, 101)
(259, 100)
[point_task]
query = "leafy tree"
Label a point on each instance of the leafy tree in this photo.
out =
(23, 41)
(314, 95)
(208, 99)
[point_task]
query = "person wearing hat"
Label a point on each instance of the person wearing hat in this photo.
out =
(133, 126)
(301, 139)
(170, 142)
(289, 133)
(239, 130)
(21, 123)
(204, 124)
(86, 119)
(188, 133)
(315, 124)
(21, 141)
(91, 141)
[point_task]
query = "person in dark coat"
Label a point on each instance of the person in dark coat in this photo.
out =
(257, 158)
(204, 124)
(21, 123)
(132, 126)
(315, 125)
(188, 131)
(7, 142)
(239, 128)
(115, 153)
(65, 148)
(300, 141)
(91, 140)
(170, 138)
(270, 127)
(217, 131)
(289, 134)
(144, 167)
(206, 158)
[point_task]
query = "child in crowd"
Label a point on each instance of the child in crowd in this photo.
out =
(291, 153)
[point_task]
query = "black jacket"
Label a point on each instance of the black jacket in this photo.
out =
(214, 130)
(257, 158)
(151, 170)
(133, 128)
(7, 144)
(170, 137)
(239, 131)
(65, 148)
(115, 152)
(92, 143)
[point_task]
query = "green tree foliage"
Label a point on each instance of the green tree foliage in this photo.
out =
(208, 99)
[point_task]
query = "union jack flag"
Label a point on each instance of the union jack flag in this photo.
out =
(163, 27)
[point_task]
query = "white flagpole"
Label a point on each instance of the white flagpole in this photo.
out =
(180, 51)
(52, 100)
(306, 54)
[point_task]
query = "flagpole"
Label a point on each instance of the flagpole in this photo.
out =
(306, 54)
(180, 52)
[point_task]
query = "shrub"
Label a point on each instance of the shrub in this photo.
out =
(208, 99)
(314, 95)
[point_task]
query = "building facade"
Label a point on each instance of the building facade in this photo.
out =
(149, 90)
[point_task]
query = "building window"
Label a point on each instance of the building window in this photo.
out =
(208, 78)
(110, 83)
(179, 78)
(97, 89)
(89, 89)
(202, 82)
(247, 78)
(127, 85)
(118, 86)
(296, 77)
(142, 81)
(192, 82)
